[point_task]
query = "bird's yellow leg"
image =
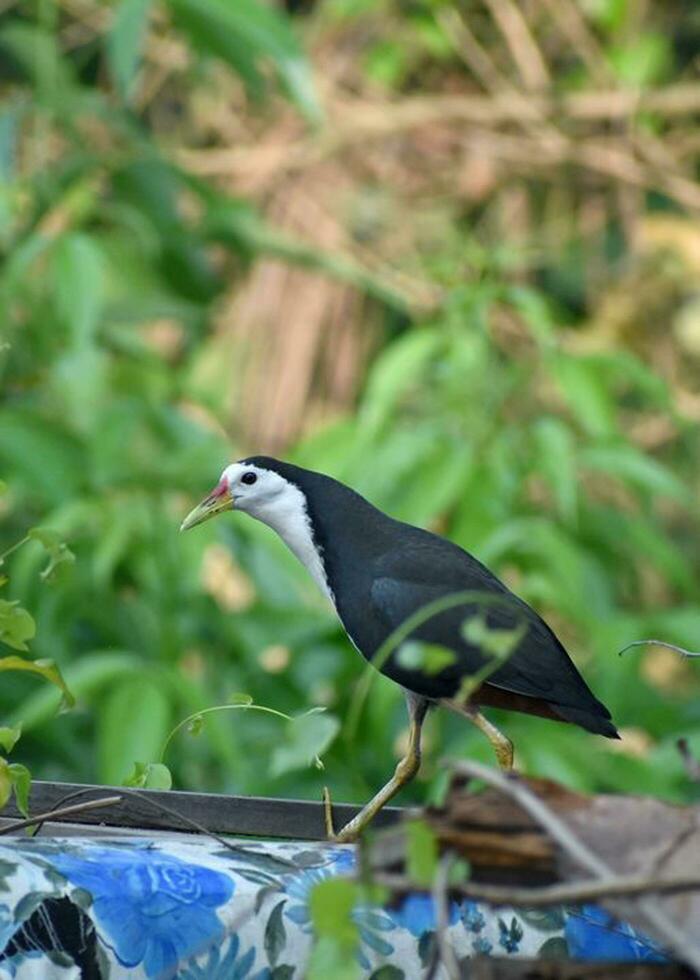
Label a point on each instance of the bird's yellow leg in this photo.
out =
(404, 773)
(502, 746)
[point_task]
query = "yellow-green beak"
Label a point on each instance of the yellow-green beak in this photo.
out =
(218, 501)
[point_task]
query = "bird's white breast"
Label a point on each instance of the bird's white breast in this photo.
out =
(289, 517)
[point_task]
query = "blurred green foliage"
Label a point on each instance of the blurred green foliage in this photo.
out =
(524, 452)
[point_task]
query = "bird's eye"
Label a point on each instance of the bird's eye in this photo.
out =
(249, 478)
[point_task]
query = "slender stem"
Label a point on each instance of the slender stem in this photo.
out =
(14, 548)
(659, 643)
(442, 916)
(64, 811)
(228, 707)
(565, 894)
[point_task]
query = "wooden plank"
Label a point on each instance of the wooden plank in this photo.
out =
(145, 809)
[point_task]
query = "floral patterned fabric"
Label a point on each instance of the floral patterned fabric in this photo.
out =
(95, 909)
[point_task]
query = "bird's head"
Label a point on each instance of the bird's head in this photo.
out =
(249, 486)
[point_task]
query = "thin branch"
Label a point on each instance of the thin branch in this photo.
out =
(565, 894)
(58, 813)
(521, 43)
(672, 936)
(446, 954)
(155, 805)
(658, 643)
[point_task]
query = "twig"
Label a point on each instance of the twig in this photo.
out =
(570, 893)
(658, 643)
(161, 808)
(521, 43)
(446, 954)
(64, 811)
(674, 938)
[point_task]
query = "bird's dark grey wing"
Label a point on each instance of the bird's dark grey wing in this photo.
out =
(540, 667)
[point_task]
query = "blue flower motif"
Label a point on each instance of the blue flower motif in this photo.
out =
(230, 967)
(417, 914)
(151, 908)
(592, 934)
(481, 946)
(510, 935)
(370, 922)
(472, 916)
(342, 861)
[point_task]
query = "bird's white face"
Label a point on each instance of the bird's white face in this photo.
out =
(259, 492)
(268, 497)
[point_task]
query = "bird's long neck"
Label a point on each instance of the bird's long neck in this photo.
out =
(348, 534)
(293, 524)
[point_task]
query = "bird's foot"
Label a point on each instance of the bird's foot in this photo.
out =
(347, 834)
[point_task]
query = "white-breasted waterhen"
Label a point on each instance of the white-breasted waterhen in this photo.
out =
(378, 572)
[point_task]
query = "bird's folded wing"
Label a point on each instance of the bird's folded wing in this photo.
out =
(539, 667)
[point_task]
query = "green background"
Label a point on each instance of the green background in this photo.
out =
(381, 240)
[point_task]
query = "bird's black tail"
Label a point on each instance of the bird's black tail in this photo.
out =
(599, 724)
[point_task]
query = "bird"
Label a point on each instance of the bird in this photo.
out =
(379, 575)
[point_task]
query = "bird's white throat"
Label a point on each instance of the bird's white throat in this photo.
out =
(287, 514)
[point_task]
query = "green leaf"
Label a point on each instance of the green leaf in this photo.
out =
(643, 60)
(498, 643)
(557, 462)
(331, 904)
(59, 553)
(46, 668)
(22, 782)
(9, 737)
(630, 464)
(125, 44)
(78, 269)
(239, 698)
(86, 677)
(16, 625)
(430, 658)
(583, 386)
(5, 782)
(149, 775)
(307, 738)
(3, 487)
(421, 853)
(46, 537)
(398, 368)
(244, 34)
(329, 958)
(133, 721)
(38, 57)
(195, 725)
(460, 871)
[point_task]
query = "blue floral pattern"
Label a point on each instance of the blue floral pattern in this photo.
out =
(592, 934)
(152, 908)
(192, 910)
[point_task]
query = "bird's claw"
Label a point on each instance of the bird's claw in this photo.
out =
(347, 835)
